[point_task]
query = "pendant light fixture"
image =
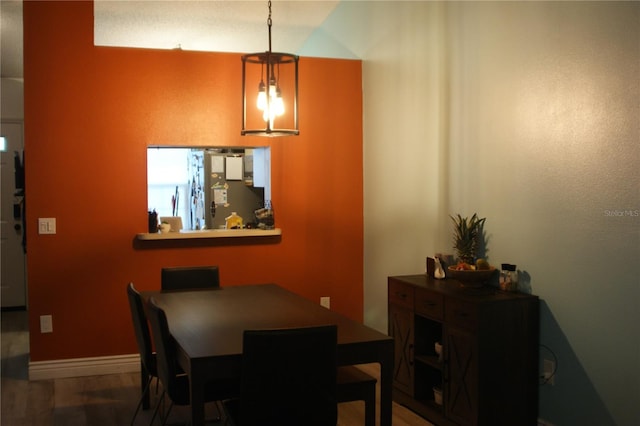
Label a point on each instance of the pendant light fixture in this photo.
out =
(270, 92)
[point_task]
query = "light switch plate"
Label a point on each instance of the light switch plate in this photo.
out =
(47, 225)
(326, 302)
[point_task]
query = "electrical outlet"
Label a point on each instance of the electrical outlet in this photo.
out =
(549, 372)
(46, 324)
(326, 302)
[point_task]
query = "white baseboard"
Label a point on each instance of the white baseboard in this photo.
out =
(79, 367)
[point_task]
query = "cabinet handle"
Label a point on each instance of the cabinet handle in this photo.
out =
(401, 295)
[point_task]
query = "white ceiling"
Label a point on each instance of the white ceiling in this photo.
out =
(208, 25)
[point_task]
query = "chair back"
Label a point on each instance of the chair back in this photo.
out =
(141, 329)
(165, 350)
(289, 377)
(182, 278)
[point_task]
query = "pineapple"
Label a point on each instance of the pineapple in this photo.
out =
(465, 237)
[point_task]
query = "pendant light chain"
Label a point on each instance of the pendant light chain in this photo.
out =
(269, 22)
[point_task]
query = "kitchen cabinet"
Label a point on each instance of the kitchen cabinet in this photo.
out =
(488, 366)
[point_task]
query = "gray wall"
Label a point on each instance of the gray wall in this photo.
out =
(527, 113)
(12, 99)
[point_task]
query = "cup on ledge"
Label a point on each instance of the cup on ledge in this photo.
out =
(438, 349)
(165, 228)
(437, 395)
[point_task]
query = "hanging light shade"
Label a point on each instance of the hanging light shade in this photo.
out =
(270, 92)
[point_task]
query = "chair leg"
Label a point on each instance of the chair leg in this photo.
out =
(355, 385)
(155, 412)
(143, 398)
(166, 416)
(370, 409)
(145, 379)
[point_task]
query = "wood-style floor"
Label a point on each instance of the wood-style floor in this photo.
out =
(104, 400)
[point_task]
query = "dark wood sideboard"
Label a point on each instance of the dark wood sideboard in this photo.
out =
(488, 370)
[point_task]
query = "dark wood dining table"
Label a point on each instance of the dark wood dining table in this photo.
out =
(208, 326)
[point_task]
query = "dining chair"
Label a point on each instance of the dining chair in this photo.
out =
(148, 365)
(288, 378)
(176, 384)
(354, 384)
(189, 277)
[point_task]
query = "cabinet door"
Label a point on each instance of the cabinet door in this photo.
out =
(401, 328)
(461, 391)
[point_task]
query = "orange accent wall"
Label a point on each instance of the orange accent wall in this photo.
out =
(91, 112)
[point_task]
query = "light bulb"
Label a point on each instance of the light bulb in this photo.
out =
(274, 105)
(278, 103)
(262, 96)
(278, 106)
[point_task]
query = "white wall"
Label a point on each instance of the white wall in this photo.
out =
(544, 134)
(404, 144)
(527, 113)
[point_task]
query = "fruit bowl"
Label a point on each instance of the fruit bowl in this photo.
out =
(471, 278)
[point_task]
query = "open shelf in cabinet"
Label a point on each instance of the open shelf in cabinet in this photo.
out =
(432, 361)
(427, 378)
(428, 332)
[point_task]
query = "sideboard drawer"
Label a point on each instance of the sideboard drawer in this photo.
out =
(401, 294)
(429, 303)
(461, 314)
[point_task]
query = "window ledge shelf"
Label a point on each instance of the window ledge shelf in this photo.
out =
(209, 234)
